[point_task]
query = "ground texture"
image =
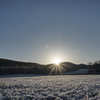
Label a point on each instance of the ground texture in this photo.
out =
(60, 87)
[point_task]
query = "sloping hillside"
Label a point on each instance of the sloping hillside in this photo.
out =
(17, 67)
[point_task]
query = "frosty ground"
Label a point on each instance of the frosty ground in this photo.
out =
(58, 87)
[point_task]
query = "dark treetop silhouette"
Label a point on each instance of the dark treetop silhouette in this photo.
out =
(18, 67)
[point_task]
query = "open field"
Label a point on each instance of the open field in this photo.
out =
(59, 87)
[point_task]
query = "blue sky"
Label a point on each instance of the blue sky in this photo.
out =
(38, 30)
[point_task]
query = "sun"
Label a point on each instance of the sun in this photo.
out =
(56, 66)
(57, 61)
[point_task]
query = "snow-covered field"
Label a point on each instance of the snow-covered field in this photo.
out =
(60, 87)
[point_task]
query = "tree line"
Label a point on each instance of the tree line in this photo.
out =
(17, 67)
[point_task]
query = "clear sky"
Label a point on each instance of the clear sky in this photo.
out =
(38, 30)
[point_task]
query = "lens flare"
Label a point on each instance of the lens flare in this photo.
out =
(56, 67)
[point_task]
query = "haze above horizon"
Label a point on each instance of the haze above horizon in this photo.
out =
(41, 30)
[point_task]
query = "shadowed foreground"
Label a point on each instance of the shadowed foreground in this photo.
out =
(67, 87)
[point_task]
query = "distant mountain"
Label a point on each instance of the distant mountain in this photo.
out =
(7, 62)
(18, 67)
(13, 67)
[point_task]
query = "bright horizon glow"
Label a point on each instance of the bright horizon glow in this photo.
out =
(57, 61)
